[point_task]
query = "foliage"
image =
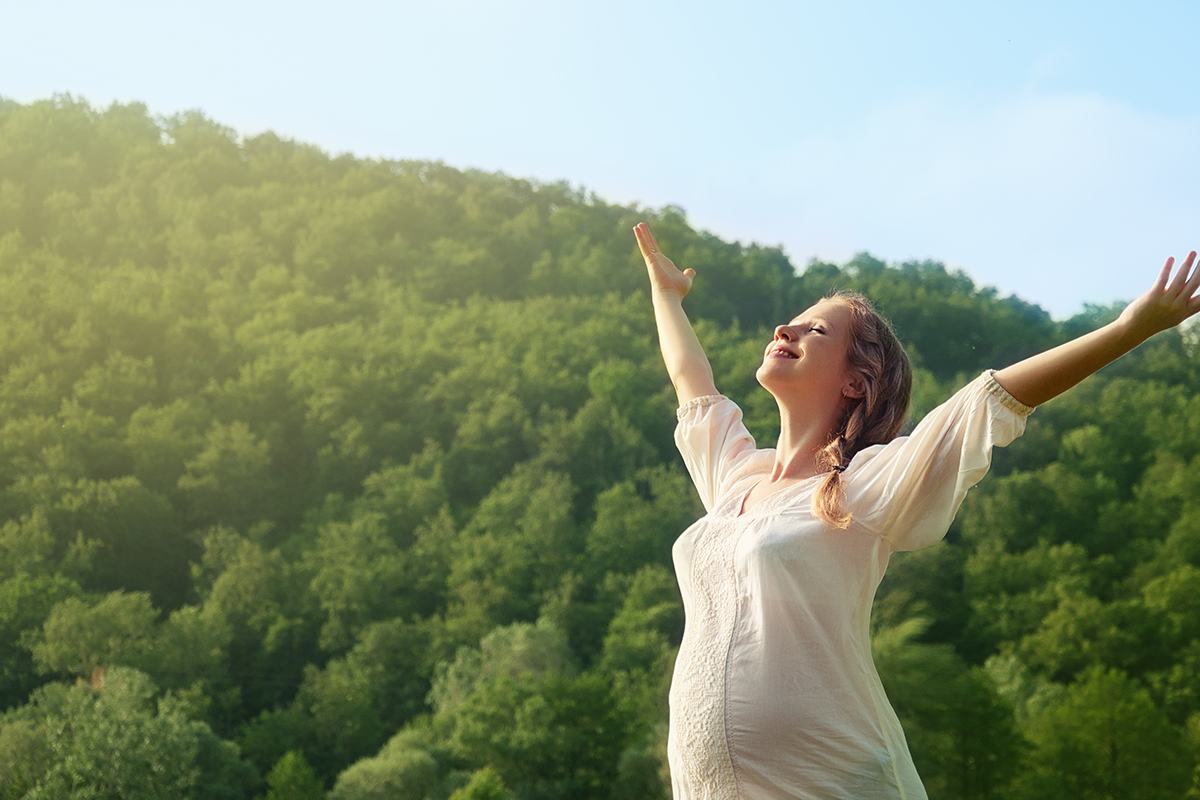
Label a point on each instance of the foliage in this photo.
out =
(112, 739)
(960, 728)
(404, 769)
(485, 785)
(367, 467)
(293, 779)
(1105, 738)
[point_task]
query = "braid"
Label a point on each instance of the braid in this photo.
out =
(855, 425)
(834, 457)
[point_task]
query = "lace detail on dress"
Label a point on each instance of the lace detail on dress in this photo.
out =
(698, 402)
(698, 689)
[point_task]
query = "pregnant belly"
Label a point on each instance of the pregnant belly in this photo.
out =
(802, 698)
(745, 724)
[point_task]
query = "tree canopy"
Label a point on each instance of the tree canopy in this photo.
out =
(328, 475)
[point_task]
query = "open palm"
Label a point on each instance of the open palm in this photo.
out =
(664, 275)
(1169, 301)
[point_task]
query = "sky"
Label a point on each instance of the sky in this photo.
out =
(1047, 149)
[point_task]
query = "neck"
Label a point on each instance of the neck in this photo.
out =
(802, 436)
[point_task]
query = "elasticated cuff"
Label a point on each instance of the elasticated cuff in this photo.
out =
(1007, 400)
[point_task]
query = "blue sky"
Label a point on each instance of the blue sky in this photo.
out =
(1048, 149)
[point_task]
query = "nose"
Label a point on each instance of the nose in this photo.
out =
(784, 332)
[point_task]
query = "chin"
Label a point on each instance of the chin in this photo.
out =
(766, 379)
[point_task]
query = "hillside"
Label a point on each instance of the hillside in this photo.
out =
(325, 473)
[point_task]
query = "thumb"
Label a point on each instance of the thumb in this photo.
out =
(691, 273)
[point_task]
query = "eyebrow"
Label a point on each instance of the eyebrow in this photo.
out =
(813, 321)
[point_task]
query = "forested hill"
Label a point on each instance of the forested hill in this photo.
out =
(322, 474)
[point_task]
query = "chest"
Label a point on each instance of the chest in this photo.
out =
(777, 547)
(762, 490)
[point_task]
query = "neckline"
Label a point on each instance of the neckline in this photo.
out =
(741, 511)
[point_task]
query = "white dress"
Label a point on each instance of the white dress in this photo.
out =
(775, 695)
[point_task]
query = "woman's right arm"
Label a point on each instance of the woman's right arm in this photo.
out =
(686, 363)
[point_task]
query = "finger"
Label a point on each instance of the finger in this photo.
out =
(640, 231)
(1177, 284)
(1189, 288)
(1164, 275)
(650, 238)
(691, 273)
(645, 239)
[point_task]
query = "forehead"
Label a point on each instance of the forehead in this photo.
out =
(830, 311)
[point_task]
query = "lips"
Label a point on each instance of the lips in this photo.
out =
(779, 351)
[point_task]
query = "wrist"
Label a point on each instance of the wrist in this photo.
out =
(1129, 332)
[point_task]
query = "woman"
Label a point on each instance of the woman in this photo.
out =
(775, 694)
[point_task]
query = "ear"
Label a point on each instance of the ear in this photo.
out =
(854, 388)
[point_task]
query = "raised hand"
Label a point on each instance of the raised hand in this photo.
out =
(1168, 302)
(665, 277)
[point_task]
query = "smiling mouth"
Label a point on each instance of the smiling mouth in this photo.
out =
(779, 352)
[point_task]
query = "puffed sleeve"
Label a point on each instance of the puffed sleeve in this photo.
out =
(715, 445)
(909, 490)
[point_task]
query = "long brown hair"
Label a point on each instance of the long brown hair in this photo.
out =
(876, 357)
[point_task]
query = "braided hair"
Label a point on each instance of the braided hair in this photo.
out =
(876, 357)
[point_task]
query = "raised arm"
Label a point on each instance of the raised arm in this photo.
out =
(1168, 303)
(686, 363)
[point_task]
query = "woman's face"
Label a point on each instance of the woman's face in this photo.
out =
(808, 355)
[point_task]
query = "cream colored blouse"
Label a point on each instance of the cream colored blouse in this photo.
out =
(774, 694)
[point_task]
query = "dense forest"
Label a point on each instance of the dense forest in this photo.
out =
(335, 477)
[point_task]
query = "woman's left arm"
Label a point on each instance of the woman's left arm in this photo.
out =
(1168, 302)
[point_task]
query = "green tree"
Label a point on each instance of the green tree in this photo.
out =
(516, 546)
(25, 603)
(112, 739)
(960, 729)
(78, 637)
(348, 709)
(229, 480)
(638, 520)
(547, 736)
(404, 769)
(643, 636)
(293, 779)
(1104, 739)
(485, 784)
(506, 652)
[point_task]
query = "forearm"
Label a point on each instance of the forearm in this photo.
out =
(1047, 375)
(688, 367)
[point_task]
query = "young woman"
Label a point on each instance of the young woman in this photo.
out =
(775, 695)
